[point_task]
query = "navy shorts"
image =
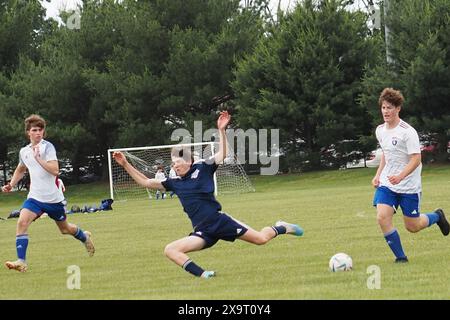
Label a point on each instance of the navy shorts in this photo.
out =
(409, 202)
(224, 228)
(56, 211)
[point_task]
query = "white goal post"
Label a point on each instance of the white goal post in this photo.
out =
(230, 176)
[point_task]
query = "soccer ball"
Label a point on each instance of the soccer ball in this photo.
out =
(341, 262)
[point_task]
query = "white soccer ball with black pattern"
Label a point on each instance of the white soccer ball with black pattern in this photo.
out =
(341, 262)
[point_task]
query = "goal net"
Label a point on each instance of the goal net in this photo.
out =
(230, 176)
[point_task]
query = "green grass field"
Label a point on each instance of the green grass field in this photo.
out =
(333, 207)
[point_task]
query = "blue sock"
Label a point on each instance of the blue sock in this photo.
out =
(21, 246)
(432, 218)
(191, 267)
(80, 235)
(279, 230)
(393, 240)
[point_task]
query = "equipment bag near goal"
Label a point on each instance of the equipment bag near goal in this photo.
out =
(230, 176)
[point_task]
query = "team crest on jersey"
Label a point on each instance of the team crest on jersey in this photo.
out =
(394, 141)
(194, 174)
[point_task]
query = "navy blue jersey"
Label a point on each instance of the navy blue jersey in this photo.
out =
(196, 193)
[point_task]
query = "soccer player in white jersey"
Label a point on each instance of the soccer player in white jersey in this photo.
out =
(398, 178)
(39, 157)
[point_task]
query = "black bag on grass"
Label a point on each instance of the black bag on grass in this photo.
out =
(14, 214)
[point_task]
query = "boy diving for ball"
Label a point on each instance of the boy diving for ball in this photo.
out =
(194, 186)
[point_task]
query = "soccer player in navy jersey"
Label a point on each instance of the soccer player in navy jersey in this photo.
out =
(398, 178)
(194, 186)
(39, 157)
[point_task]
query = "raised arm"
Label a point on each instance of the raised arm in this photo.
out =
(137, 176)
(222, 122)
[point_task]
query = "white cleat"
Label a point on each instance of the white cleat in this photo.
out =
(208, 274)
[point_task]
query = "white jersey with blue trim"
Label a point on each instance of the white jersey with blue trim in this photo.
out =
(398, 145)
(43, 186)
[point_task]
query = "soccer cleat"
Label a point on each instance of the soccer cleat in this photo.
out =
(208, 274)
(401, 260)
(290, 228)
(18, 265)
(89, 244)
(442, 223)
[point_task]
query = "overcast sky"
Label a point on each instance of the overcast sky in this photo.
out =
(53, 6)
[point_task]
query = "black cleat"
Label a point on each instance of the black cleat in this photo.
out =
(443, 223)
(401, 260)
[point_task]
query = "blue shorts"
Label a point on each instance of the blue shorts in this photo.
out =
(224, 228)
(56, 211)
(408, 202)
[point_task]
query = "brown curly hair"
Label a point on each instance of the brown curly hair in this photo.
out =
(392, 96)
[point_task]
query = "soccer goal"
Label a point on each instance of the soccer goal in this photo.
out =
(230, 176)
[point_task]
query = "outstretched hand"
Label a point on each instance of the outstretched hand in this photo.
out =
(224, 120)
(120, 158)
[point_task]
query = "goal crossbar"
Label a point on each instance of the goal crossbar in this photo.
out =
(229, 177)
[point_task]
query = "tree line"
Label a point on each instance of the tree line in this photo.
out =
(131, 72)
